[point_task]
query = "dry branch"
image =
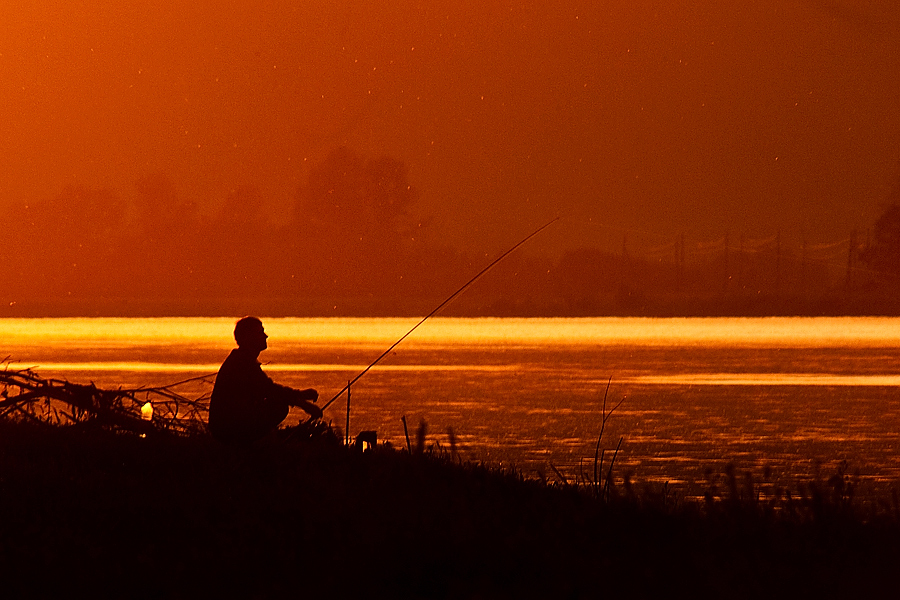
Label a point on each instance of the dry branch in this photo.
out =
(24, 395)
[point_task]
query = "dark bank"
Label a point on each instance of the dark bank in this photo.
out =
(158, 511)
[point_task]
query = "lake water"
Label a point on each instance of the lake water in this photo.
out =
(789, 394)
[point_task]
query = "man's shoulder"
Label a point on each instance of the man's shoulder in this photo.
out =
(239, 361)
(240, 356)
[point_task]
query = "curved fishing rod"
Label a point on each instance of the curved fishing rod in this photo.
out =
(436, 310)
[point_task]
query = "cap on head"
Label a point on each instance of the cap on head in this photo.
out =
(247, 329)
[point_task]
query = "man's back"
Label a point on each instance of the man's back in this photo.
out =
(246, 404)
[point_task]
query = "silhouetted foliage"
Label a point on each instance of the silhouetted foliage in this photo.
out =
(240, 247)
(162, 245)
(349, 196)
(65, 245)
(883, 251)
(351, 219)
(883, 254)
(171, 517)
(353, 244)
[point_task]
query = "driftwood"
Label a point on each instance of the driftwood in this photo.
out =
(26, 396)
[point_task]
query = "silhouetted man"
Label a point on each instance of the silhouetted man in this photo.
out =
(246, 404)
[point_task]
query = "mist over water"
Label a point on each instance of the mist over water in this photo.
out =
(791, 394)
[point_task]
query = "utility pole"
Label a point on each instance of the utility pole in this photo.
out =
(727, 258)
(850, 260)
(778, 261)
(803, 279)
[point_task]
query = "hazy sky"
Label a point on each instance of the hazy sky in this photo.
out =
(653, 116)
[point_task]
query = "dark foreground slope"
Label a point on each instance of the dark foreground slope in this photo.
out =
(122, 516)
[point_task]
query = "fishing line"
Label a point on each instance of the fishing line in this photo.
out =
(438, 308)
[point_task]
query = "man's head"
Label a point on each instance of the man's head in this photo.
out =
(249, 334)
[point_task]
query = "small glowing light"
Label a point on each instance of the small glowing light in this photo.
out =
(147, 411)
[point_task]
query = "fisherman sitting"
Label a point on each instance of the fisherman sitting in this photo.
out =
(246, 404)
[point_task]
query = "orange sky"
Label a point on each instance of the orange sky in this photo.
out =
(661, 116)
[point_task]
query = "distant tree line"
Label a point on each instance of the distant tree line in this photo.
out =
(352, 245)
(350, 239)
(883, 253)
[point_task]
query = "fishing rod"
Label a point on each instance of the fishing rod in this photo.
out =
(437, 309)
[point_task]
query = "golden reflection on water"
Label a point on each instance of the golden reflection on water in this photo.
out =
(763, 379)
(91, 329)
(163, 367)
(790, 332)
(776, 392)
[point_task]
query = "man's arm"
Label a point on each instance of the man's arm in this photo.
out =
(305, 399)
(310, 394)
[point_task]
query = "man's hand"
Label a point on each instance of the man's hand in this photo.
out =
(305, 400)
(314, 411)
(310, 394)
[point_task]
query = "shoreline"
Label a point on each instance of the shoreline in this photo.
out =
(882, 303)
(178, 517)
(96, 497)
